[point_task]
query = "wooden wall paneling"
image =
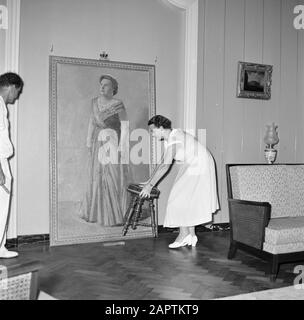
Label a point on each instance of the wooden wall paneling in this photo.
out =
(256, 31)
(233, 111)
(200, 119)
(271, 55)
(288, 105)
(300, 97)
(214, 84)
(253, 52)
(233, 107)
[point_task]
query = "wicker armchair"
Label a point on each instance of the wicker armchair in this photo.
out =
(19, 281)
(266, 212)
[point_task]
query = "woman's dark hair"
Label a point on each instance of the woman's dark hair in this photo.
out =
(10, 79)
(160, 121)
(114, 82)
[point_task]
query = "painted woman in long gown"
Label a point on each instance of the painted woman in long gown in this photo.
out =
(193, 197)
(106, 196)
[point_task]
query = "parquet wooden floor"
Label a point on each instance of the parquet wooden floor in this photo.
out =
(146, 269)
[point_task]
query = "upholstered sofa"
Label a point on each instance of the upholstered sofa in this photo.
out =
(266, 211)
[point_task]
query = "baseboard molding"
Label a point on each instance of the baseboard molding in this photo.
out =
(28, 239)
(45, 238)
(202, 228)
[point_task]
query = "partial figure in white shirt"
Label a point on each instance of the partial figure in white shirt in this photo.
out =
(193, 198)
(11, 86)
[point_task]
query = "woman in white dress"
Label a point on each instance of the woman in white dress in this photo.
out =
(193, 197)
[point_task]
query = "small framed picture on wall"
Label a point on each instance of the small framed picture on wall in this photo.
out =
(254, 80)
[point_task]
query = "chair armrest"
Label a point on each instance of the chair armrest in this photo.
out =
(248, 220)
(14, 270)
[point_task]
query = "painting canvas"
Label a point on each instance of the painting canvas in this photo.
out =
(254, 80)
(88, 196)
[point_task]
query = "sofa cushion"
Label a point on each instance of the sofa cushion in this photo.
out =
(283, 248)
(285, 230)
(264, 183)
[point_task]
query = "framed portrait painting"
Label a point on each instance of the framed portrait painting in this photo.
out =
(99, 144)
(254, 80)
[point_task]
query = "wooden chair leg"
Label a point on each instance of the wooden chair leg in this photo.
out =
(128, 215)
(274, 268)
(232, 249)
(139, 204)
(34, 290)
(153, 219)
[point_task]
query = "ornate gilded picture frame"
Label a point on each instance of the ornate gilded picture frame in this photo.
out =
(88, 197)
(254, 80)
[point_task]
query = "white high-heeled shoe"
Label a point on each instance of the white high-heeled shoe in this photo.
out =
(187, 241)
(194, 241)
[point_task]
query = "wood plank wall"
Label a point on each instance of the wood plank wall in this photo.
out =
(258, 31)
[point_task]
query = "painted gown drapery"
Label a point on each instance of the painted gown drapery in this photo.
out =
(106, 196)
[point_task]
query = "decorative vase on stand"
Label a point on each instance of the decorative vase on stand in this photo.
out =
(271, 138)
(270, 155)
